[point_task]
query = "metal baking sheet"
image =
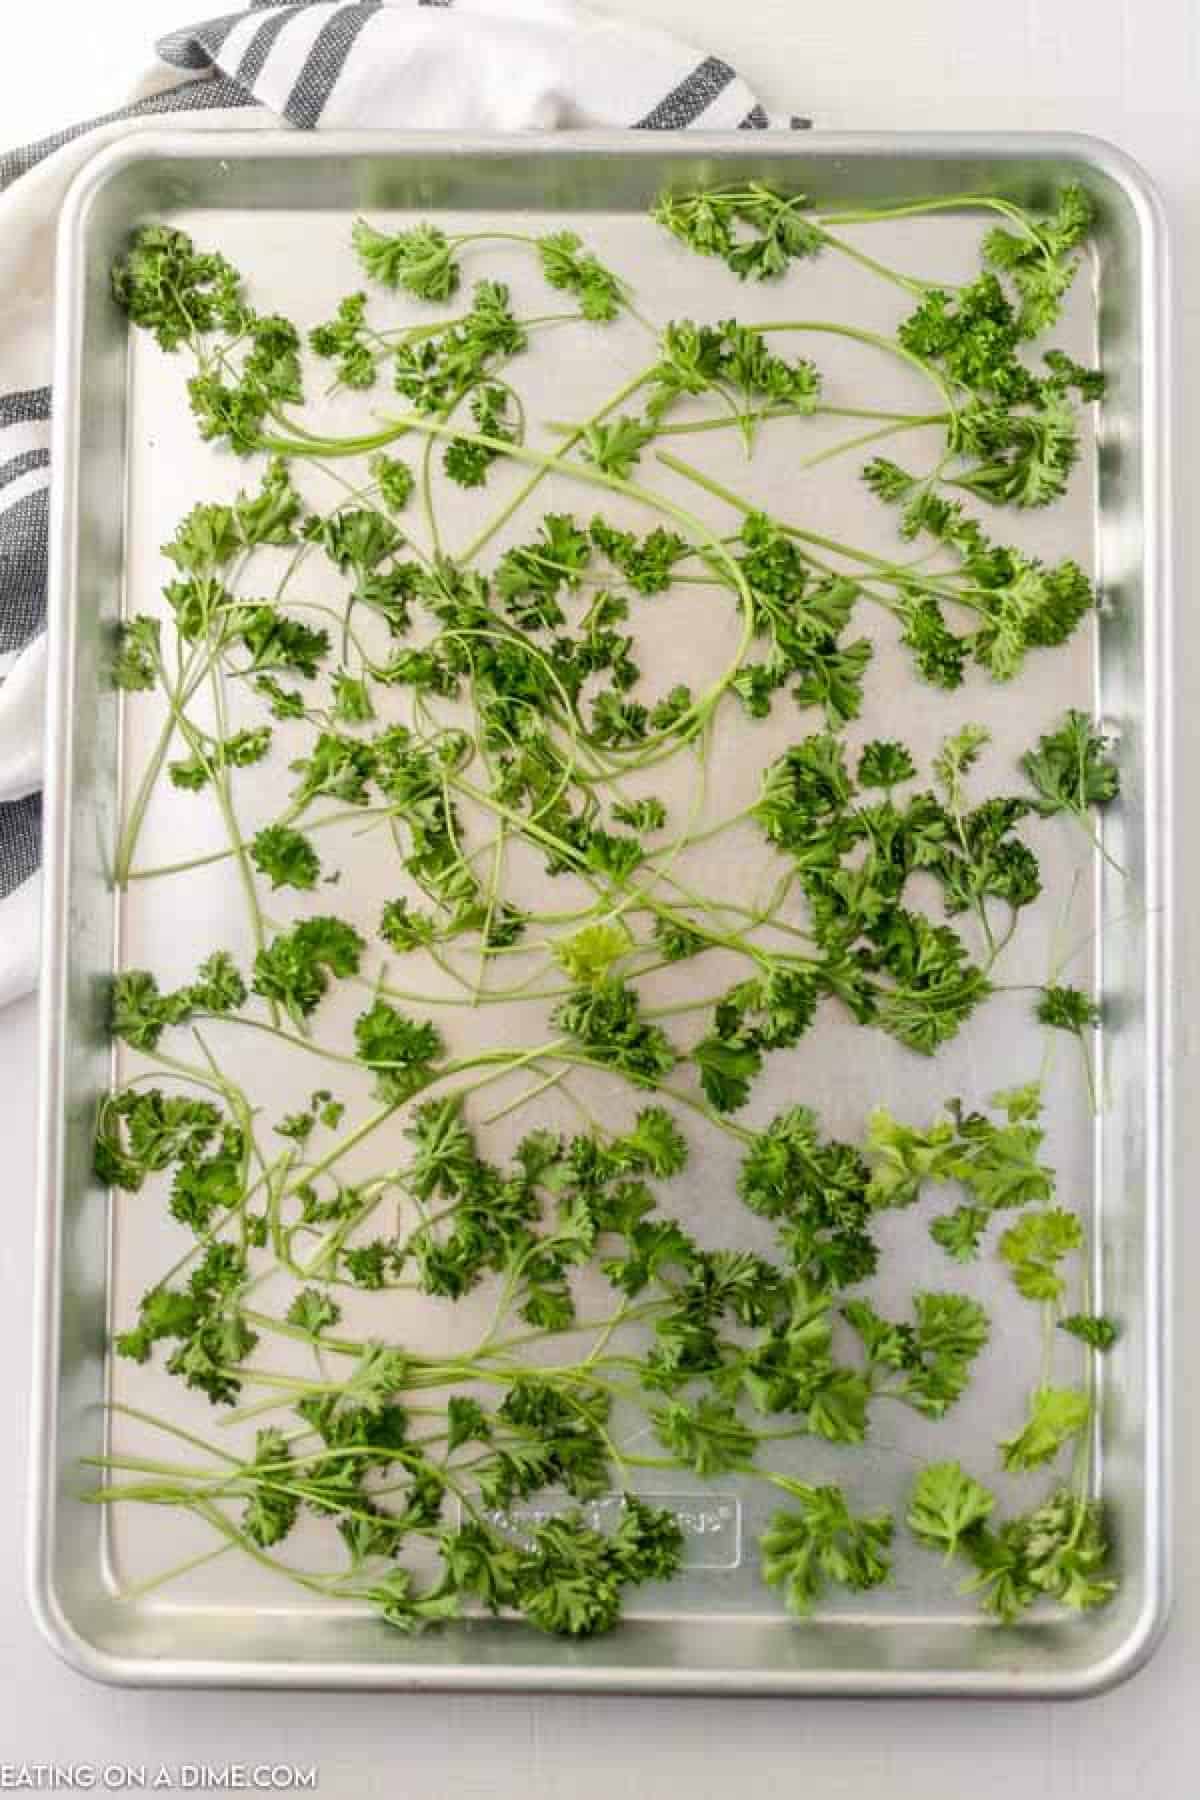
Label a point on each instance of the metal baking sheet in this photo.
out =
(128, 464)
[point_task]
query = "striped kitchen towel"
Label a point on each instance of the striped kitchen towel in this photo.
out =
(499, 65)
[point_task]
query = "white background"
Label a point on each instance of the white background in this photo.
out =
(1128, 70)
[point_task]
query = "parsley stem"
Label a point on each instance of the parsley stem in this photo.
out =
(908, 282)
(870, 215)
(877, 340)
(138, 1590)
(720, 492)
(531, 1093)
(229, 814)
(166, 1425)
(471, 550)
(857, 442)
(191, 677)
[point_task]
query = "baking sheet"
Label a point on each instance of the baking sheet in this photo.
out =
(299, 260)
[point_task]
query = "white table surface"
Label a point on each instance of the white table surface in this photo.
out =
(1128, 70)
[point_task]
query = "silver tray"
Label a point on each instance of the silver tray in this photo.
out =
(124, 459)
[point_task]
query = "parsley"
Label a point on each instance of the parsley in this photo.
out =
(821, 1541)
(140, 1012)
(570, 1581)
(206, 1322)
(218, 987)
(136, 663)
(995, 1161)
(1092, 1329)
(755, 230)
(946, 1505)
(1036, 1245)
(401, 1051)
(708, 1437)
(646, 563)
(344, 340)
(1024, 458)
(1058, 1551)
(590, 953)
(1055, 1416)
(420, 260)
(355, 539)
(285, 703)
(294, 968)
(933, 1356)
(616, 447)
(286, 856)
(466, 460)
(339, 767)
(1039, 259)
(393, 478)
(530, 578)
(170, 288)
(1067, 1009)
(143, 1131)
(641, 815)
(606, 1020)
(272, 1508)
(403, 928)
(817, 1192)
(1070, 769)
(726, 1070)
(902, 1158)
(434, 372)
(277, 642)
(1021, 604)
(574, 270)
(885, 764)
(352, 703)
(676, 940)
(241, 749)
(479, 711)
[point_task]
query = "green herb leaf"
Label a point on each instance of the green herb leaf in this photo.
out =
(419, 260)
(946, 1506)
(286, 856)
(821, 1541)
(1055, 1416)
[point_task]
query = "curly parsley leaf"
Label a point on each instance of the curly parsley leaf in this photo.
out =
(754, 229)
(286, 856)
(572, 269)
(420, 260)
(1092, 1329)
(295, 967)
(399, 1050)
(605, 1019)
(135, 666)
